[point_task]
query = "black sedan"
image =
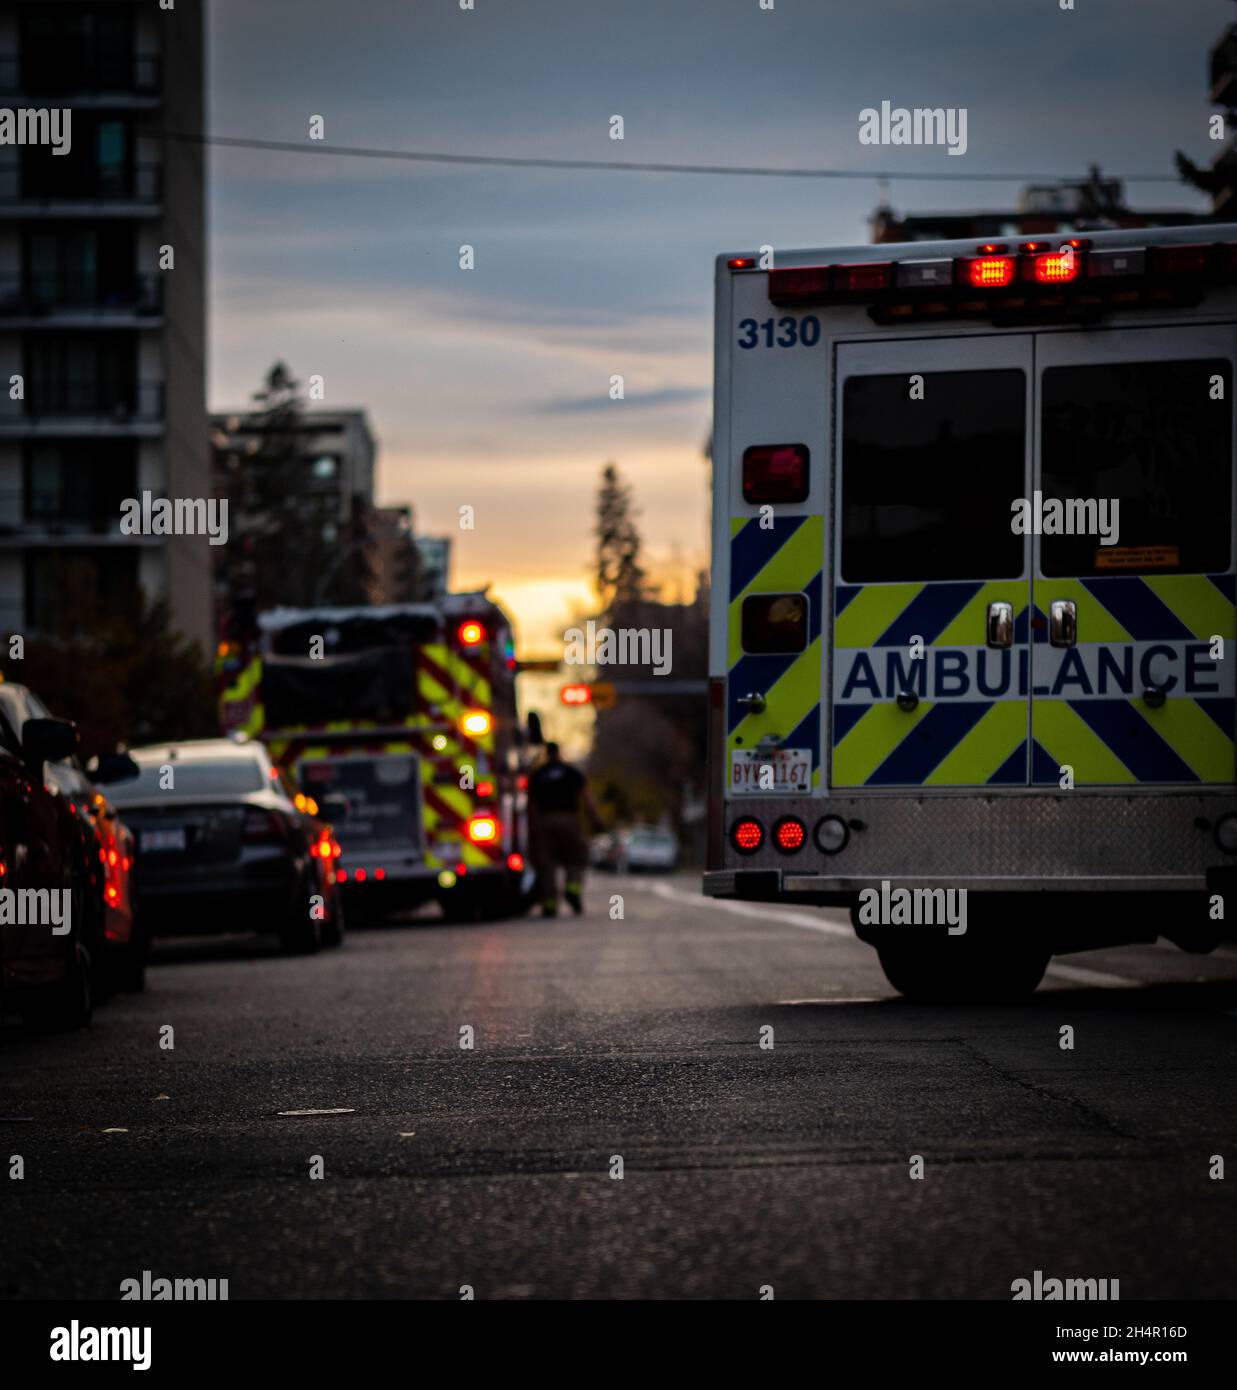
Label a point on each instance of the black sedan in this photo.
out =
(223, 842)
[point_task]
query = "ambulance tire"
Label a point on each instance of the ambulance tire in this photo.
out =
(955, 973)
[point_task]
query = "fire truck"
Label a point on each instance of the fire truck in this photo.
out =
(973, 546)
(403, 718)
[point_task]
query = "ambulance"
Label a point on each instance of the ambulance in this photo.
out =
(973, 570)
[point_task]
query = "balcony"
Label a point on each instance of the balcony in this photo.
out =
(83, 78)
(33, 520)
(131, 191)
(77, 408)
(64, 300)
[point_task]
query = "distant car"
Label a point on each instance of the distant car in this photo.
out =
(223, 842)
(603, 851)
(649, 849)
(44, 973)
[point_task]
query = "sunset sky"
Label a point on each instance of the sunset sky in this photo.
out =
(491, 387)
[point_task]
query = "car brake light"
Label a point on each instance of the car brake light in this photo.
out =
(515, 862)
(380, 874)
(747, 836)
(989, 272)
(359, 875)
(775, 473)
(485, 789)
(341, 875)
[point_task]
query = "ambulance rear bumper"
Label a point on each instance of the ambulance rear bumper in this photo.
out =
(1145, 841)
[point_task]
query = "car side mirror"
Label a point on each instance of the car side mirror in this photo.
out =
(333, 808)
(48, 740)
(113, 767)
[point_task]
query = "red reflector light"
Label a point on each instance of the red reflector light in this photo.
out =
(990, 272)
(359, 875)
(863, 279)
(747, 836)
(789, 834)
(380, 874)
(470, 634)
(515, 862)
(800, 286)
(1179, 260)
(1057, 267)
(775, 473)
(341, 875)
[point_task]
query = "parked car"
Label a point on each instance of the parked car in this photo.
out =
(223, 841)
(45, 973)
(649, 849)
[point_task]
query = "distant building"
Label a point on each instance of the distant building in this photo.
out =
(302, 533)
(1042, 210)
(110, 346)
(434, 559)
(394, 558)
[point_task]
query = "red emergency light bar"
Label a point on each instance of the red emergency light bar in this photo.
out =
(1028, 280)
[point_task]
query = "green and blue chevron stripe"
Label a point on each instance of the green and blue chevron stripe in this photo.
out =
(785, 558)
(1135, 632)
(969, 727)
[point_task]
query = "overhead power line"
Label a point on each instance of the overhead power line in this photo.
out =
(627, 166)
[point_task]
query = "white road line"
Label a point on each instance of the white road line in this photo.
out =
(316, 1112)
(765, 912)
(1080, 975)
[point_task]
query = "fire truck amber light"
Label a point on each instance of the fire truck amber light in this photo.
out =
(482, 830)
(831, 835)
(789, 834)
(747, 836)
(991, 272)
(1226, 834)
(475, 722)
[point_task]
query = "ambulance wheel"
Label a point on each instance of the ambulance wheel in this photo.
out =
(936, 972)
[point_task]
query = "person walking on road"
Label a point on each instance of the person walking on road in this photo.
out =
(555, 792)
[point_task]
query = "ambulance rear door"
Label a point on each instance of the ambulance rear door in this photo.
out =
(931, 584)
(1133, 631)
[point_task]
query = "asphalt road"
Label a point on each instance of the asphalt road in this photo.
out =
(640, 1038)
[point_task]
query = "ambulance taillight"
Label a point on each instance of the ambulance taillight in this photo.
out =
(775, 473)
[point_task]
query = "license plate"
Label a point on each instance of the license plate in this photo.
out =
(767, 774)
(162, 840)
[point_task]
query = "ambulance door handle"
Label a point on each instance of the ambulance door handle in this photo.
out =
(1063, 622)
(907, 700)
(1000, 624)
(754, 703)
